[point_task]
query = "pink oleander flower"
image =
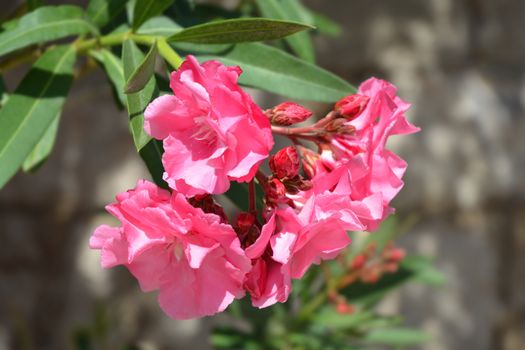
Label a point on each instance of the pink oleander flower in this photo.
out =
(291, 242)
(211, 129)
(376, 114)
(269, 280)
(195, 261)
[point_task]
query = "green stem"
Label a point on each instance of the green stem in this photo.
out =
(82, 46)
(169, 54)
(113, 39)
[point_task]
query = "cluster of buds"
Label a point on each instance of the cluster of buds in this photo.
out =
(367, 267)
(370, 266)
(285, 179)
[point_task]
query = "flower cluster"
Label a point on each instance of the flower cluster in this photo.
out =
(182, 243)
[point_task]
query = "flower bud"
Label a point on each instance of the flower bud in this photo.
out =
(276, 189)
(288, 113)
(351, 106)
(285, 163)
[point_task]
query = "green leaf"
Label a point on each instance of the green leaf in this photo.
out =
(226, 338)
(424, 270)
(238, 194)
(397, 337)
(45, 24)
(238, 30)
(113, 67)
(31, 109)
(300, 43)
(276, 71)
(143, 73)
(3, 92)
(137, 102)
(159, 26)
(101, 12)
(145, 9)
(43, 148)
(325, 25)
(150, 150)
(151, 154)
(330, 318)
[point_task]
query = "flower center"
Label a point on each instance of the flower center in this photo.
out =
(204, 131)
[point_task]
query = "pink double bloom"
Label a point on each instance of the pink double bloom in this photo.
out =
(212, 130)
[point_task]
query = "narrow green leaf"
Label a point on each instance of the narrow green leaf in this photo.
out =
(45, 24)
(159, 26)
(143, 73)
(9, 25)
(238, 194)
(3, 92)
(115, 71)
(276, 71)
(330, 318)
(325, 25)
(397, 337)
(425, 272)
(151, 154)
(137, 102)
(102, 12)
(145, 9)
(238, 30)
(300, 43)
(150, 150)
(31, 109)
(43, 148)
(295, 10)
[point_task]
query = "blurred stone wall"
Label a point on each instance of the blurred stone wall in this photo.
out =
(461, 64)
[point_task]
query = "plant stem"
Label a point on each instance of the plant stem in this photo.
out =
(169, 54)
(251, 197)
(82, 46)
(293, 131)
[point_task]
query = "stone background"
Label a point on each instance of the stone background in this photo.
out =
(460, 62)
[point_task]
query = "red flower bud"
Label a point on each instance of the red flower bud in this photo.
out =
(276, 190)
(351, 106)
(288, 113)
(285, 163)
